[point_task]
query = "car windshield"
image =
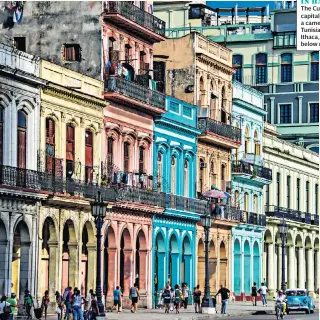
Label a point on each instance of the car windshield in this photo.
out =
(295, 293)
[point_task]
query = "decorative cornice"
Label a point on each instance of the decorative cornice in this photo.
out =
(74, 96)
(166, 124)
(213, 63)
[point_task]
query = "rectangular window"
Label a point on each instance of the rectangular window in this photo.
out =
(127, 55)
(20, 43)
(298, 194)
(307, 196)
(286, 73)
(261, 68)
(141, 160)
(72, 52)
(237, 65)
(110, 152)
(187, 111)
(278, 189)
(126, 157)
(88, 157)
(285, 113)
(314, 112)
(22, 139)
(267, 195)
(174, 107)
(288, 191)
(50, 146)
(70, 151)
(314, 66)
(316, 195)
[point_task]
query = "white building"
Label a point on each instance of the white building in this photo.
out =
(19, 185)
(294, 196)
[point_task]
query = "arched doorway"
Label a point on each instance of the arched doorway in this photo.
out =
(212, 267)
(3, 260)
(70, 258)
(125, 261)
(110, 265)
(173, 265)
(201, 265)
(247, 268)
(88, 252)
(308, 258)
(159, 263)
(141, 261)
(223, 264)
(48, 258)
(186, 263)
(237, 267)
(256, 263)
(20, 259)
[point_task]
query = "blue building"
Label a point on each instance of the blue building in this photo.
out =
(248, 179)
(174, 163)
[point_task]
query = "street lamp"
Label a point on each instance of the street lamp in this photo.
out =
(98, 211)
(207, 303)
(283, 229)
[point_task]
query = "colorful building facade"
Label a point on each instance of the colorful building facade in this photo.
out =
(249, 177)
(174, 163)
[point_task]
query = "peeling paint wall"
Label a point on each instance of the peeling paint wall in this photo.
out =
(47, 25)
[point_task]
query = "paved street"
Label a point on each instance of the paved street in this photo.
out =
(293, 316)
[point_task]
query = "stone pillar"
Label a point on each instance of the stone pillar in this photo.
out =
(279, 266)
(92, 270)
(175, 276)
(143, 269)
(316, 271)
(112, 270)
(127, 270)
(74, 266)
(271, 273)
(54, 263)
(188, 270)
(291, 269)
(310, 266)
(161, 272)
(302, 275)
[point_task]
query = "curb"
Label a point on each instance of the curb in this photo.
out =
(241, 314)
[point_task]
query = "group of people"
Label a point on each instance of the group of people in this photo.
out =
(134, 296)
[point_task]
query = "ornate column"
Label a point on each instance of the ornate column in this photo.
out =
(127, 270)
(310, 266)
(91, 275)
(291, 264)
(143, 269)
(188, 270)
(54, 263)
(175, 276)
(161, 272)
(73, 264)
(301, 270)
(112, 270)
(271, 273)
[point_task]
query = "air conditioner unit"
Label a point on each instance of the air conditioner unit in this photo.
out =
(203, 164)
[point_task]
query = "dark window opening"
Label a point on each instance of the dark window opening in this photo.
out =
(22, 139)
(126, 156)
(89, 157)
(286, 67)
(288, 191)
(20, 43)
(141, 160)
(298, 194)
(72, 52)
(285, 113)
(70, 156)
(50, 145)
(307, 196)
(278, 189)
(314, 112)
(315, 66)
(261, 68)
(237, 64)
(127, 55)
(110, 151)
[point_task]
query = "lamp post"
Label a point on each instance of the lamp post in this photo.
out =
(207, 303)
(283, 228)
(98, 211)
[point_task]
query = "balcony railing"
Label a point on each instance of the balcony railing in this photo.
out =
(135, 91)
(231, 213)
(254, 218)
(290, 214)
(219, 128)
(251, 169)
(137, 15)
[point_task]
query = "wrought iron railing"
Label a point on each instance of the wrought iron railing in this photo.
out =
(135, 91)
(254, 218)
(251, 169)
(232, 213)
(290, 214)
(219, 128)
(139, 16)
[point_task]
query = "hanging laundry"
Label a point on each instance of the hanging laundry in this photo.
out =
(153, 85)
(108, 65)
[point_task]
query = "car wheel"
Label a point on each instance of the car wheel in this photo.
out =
(287, 311)
(307, 311)
(311, 311)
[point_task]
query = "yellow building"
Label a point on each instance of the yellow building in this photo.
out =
(70, 150)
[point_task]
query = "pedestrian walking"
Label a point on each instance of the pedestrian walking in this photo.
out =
(185, 292)
(45, 303)
(5, 309)
(94, 309)
(263, 292)
(196, 299)
(166, 296)
(28, 303)
(172, 295)
(13, 305)
(117, 299)
(224, 292)
(160, 300)
(134, 295)
(60, 305)
(76, 305)
(178, 298)
(254, 293)
(87, 304)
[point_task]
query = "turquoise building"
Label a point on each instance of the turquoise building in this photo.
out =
(249, 176)
(174, 163)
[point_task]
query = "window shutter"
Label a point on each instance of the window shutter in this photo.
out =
(21, 149)
(89, 156)
(50, 131)
(58, 168)
(70, 143)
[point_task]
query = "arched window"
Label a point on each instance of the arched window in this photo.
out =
(202, 97)
(237, 64)
(126, 156)
(110, 152)
(186, 178)
(261, 68)
(257, 147)
(142, 168)
(1, 136)
(246, 202)
(286, 67)
(70, 155)
(223, 105)
(255, 204)
(159, 176)
(213, 101)
(89, 157)
(22, 139)
(223, 177)
(314, 66)
(213, 175)
(173, 174)
(246, 141)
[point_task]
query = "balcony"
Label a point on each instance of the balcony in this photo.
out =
(135, 20)
(219, 133)
(293, 215)
(247, 170)
(284, 40)
(127, 92)
(254, 219)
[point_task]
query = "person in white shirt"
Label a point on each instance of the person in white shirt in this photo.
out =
(263, 292)
(281, 297)
(3, 303)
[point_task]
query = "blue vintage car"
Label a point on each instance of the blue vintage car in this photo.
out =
(299, 300)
